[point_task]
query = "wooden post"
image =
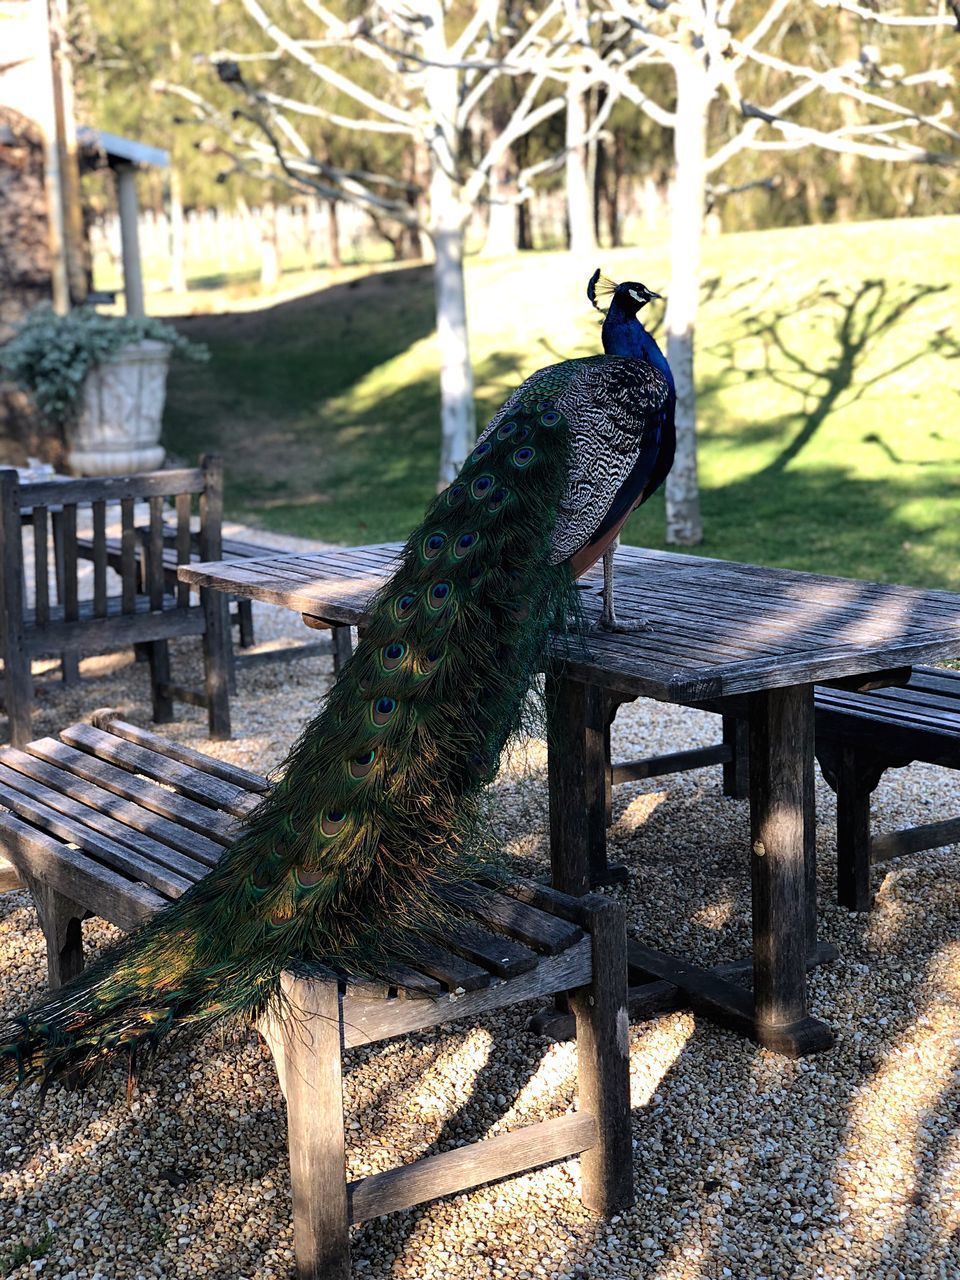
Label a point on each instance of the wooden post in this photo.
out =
(781, 756)
(217, 652)
(577, 781)
(130, 238)
(342, 642)
(853, 830)
(60, 920)
(17, 674)
(603, 1060)
(736, 771)
(312, 1039)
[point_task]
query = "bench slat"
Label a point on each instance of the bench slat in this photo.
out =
(167, 803)
(174, 834)
(517, 919)
(128, 755)
(105, 850)
(502, 956)
(138, 842)
(453, 971)
(222, 769)
(125, 903)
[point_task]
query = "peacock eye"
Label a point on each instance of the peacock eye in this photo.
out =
(439, 594)
(392, 655)
(480, 451)
(383, 709)
(403, 606)
(360, 766)
(543, 405)
(497, 499)
(481, 485)
(550, 419)
(464, 544)
(433, 545)
(455, 493)
(332, 821)
(506, 430)
(523, 457)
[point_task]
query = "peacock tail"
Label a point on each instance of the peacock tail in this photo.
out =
(343, 863)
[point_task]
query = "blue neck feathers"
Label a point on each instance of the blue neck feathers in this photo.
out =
(624, 335)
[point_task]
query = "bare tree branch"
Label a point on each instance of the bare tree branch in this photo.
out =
(895, 19)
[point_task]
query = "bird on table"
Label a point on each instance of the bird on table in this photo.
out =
(376, 808)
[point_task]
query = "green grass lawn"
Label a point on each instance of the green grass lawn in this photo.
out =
(828, 383)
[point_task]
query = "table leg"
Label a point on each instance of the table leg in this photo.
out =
(783, 867)
(576, 727)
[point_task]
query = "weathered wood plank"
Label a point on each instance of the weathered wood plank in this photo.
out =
(123, 902)
(144, 846)
(462, 1169)
(931, 835)
(169, 804)
(174, 834)
(603, 1062)
(201, 787)
(150, 484)
(674, 762)
(365, 1021)
(311, 1051)
(112, 722)
(103, 848)
(517, 919)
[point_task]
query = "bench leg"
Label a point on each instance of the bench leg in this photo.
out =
(60, 920)
(245, 619)
(217, 654)
(603, 1060)
(342, 643)
(736, 772)
(311, 1049)
(18, 693)
(853, 831)
(158, 655)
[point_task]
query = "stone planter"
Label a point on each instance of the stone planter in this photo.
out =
(118, 429)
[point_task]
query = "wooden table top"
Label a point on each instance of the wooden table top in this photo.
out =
(716, 628)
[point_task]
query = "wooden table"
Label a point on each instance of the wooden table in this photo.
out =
(729, 636)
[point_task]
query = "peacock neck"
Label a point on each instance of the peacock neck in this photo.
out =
(624, 335)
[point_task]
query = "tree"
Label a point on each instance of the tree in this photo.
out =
(435, 71)
(723, 56)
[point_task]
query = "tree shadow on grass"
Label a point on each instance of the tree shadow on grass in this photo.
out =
(860, 317)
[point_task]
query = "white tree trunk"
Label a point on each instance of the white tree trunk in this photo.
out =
(583, 240)
(501, 237)
(448, 218)
(457, 415)
(687, 215)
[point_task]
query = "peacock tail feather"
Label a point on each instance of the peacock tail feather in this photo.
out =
(378, 801)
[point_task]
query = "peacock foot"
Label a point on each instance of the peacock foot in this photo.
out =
(616, 627)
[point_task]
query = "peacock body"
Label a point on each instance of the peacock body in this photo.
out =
(343, 863)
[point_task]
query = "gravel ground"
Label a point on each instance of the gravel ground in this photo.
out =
(844, 1166)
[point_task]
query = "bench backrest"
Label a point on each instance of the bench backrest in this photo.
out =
(52, 506)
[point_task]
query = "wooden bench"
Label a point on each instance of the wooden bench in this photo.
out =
(112, 820)
(141, 613)
(859, 735)
(230, 549)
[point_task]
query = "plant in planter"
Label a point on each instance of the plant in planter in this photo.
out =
(99, 379)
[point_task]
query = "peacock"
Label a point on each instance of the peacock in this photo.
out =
(377, 806)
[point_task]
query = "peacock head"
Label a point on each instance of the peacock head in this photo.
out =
(630, 297)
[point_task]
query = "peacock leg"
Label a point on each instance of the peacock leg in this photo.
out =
(608, 619)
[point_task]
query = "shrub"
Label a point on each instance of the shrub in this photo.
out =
(50, 355)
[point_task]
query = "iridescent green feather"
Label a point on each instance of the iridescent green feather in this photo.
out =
(378, 800)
